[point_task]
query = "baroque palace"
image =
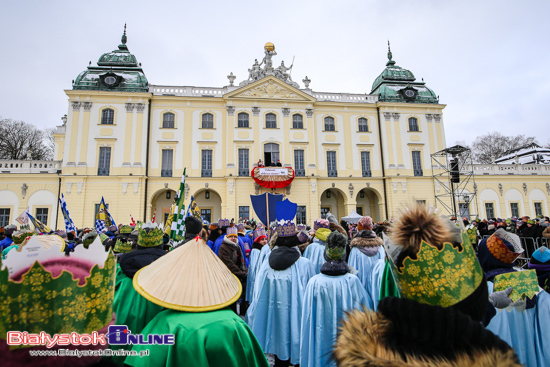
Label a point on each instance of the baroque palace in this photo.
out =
(129, 141)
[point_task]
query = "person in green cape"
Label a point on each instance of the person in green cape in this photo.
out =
(130, 307)
(196, 288)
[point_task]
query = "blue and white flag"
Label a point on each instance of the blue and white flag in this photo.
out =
(69, 224)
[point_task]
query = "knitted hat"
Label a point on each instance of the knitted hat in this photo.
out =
(364, 223)
(193, 225)
(189, 278)
(231, 232)
(335, 248)
(331, 218)
(259, 234)
(322, 234)
(542, 255)
(430, 267)
(501, 246)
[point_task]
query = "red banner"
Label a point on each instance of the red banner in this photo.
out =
(273, 177)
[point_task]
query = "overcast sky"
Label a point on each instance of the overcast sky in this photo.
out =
(485, 59)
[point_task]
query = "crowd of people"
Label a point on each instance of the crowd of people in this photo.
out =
(420, 289)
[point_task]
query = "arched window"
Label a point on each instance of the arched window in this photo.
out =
(207, 121)
(242, 119)
(297, 121)
(363, 124)
(413, 124)
(270, 121)
(329, 124)
(168, 120)
(108, 116)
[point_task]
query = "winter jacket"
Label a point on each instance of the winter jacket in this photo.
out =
(232, 256)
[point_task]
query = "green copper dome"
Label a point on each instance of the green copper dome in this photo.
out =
(396, 84)
(117, 70)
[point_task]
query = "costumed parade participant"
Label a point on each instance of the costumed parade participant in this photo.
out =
(213, 233)
(45, 291)
(206, 331)
(366, 251)
(7, 241)
(232, 256)
(193, 226)
(328, 296)
(515, 323)
(437, 320)
(540, 261)
(315, 252)
(260, 240)
(275, 312)
(224, 225)
(130, 307)
(247, 241)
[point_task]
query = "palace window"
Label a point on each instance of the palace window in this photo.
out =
(104, 166)
(167, 161)
(207, 121)
(168, 120)
(417, 163)
(270, 121)
(363, 124)
(329, 124)
(4, 217)
(413, 124)
(108, 116)
(514, 208)
(324, 211)
(301, 215)
(271, 153)
(243, 162)
(297, 121)
(331, 164)
(42, 215)
(489, 210)
(538, 209)
(242, 119)
(206, 215)
(299, 169)
(206, 167)
(365, 164)
(244, 212)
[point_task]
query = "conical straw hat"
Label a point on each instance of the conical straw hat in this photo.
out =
(190, 278)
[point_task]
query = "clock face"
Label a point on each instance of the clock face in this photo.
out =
(110, 80)
(409, 93)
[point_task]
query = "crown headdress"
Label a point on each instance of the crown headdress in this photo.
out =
(286, 228)
(122, 246)
(442, 274)
(34, 299)
(150, 236)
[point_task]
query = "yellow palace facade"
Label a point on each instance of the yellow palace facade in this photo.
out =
(129, 141)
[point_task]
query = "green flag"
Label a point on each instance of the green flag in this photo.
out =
(178, 215)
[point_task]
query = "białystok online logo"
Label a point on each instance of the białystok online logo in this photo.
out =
(117, 335)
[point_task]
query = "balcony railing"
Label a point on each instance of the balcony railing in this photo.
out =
(418, 172)
(25, 166)
(166, 173)
(299, 172)
(333, 173)
(244, 172)
(367, 174)
(206, 173)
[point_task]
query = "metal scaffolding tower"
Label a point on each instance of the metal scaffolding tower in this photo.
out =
(455, 164)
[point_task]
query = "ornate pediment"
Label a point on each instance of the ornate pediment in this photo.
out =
(270, 88)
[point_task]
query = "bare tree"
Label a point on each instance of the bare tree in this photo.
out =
(18, 140)
(489, 147)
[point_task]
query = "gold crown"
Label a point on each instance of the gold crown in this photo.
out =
(122, 246)
(125, 229)
(38, 301)
(286, 229)
(438, 277)
(151, 238)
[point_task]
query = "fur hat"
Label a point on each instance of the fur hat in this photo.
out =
(335, 248)
(365, 223)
